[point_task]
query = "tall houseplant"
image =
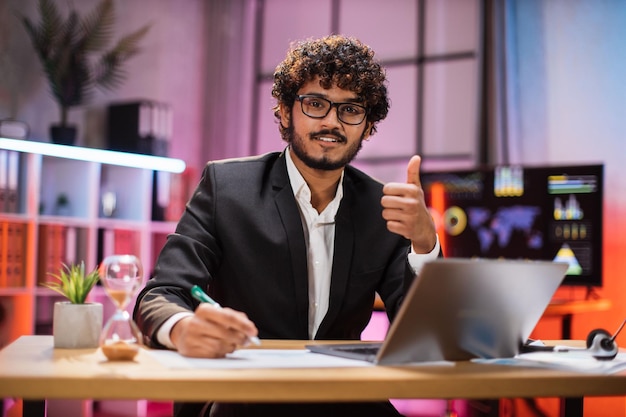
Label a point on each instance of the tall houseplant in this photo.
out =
(76, 324)
(74, 57)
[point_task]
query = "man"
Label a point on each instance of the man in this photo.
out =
(294, 244)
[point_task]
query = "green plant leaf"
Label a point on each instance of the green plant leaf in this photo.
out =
(108, 71)
(97, 27)
(66, 47)
(73, 283)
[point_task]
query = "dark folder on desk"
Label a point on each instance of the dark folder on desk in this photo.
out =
(458, 309)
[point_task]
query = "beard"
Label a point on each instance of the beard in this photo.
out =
(324, 162)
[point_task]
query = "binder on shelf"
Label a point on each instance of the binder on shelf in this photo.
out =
(71, 240)
(18, 247)
(76, 244)
(58, 245)
(127, 242)
(143, 126)
(4, 245)
(117, 241)
(181, 187)
(105, 244)
(160, 194)
(4, 169)
(45, 255)
(158, 241)
(14, 254)
(13, 173)
(51, 251)
(10, 253)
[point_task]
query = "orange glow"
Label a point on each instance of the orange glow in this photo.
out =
(438, 205)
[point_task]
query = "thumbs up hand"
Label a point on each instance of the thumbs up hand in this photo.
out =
(405, 210)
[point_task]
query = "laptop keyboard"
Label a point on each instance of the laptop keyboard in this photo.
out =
(360, 350)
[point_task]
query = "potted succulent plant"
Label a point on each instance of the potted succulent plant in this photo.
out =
(66, 47)
(76, 323)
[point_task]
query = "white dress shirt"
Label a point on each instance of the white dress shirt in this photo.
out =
(319, 233)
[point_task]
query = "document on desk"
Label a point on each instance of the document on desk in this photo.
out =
(256, 358)
(570, 359)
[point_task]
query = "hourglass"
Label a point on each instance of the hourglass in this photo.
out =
(121, 276)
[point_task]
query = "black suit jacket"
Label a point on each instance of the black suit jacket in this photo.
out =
(241, 236)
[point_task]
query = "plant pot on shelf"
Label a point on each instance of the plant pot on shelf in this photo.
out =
(63, 135)
(77, 326)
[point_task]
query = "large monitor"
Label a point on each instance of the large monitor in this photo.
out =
(522, 212)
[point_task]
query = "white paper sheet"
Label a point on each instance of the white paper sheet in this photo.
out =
(257, 358)
(578, 360)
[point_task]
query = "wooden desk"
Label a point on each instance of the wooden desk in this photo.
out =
(31, 369)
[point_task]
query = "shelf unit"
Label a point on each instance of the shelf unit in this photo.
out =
(109, 205)
(37, 233)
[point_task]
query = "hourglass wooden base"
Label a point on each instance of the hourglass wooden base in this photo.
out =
(120, 351)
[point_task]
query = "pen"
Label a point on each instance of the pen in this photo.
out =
(203, 297)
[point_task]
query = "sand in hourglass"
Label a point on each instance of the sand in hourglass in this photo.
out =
(119, 296)
(119, 350)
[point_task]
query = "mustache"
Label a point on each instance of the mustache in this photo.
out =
(328, 132)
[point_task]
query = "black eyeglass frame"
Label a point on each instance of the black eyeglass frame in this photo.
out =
(301, 98)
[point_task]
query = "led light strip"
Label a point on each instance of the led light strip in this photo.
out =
(103, 156)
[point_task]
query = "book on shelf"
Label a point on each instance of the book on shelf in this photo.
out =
(170, 193)
(16, 250)
(10, 162)
(160, 194)
(49, 253)
(116, 241)
(59, 245)
(4, 169)
(12, 204)
(12, 254)
(181, 188)
(143, 126)
(4, 246)
(127, 242)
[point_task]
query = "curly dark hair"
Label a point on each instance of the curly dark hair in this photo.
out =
(337, 60)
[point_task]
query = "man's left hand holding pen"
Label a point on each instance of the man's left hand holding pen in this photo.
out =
(213, 332)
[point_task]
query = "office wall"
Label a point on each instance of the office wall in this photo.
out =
(168, 69)
(571, 107)
(199, 57)
(432, 52)
(580, 92)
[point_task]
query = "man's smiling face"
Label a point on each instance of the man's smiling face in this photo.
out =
(323, 143)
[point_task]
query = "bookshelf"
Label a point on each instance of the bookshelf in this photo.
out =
(64, 204)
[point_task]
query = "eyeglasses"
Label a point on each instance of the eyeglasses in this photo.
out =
(318, 108)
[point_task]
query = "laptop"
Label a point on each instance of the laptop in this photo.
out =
(458, 309)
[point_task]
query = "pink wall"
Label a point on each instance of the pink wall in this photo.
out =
(168, 69)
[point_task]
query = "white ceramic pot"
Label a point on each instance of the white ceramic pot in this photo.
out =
(76, 326)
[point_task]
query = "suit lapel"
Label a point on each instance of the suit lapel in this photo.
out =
(292, 224)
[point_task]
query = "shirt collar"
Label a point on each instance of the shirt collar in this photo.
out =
(299, 185)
